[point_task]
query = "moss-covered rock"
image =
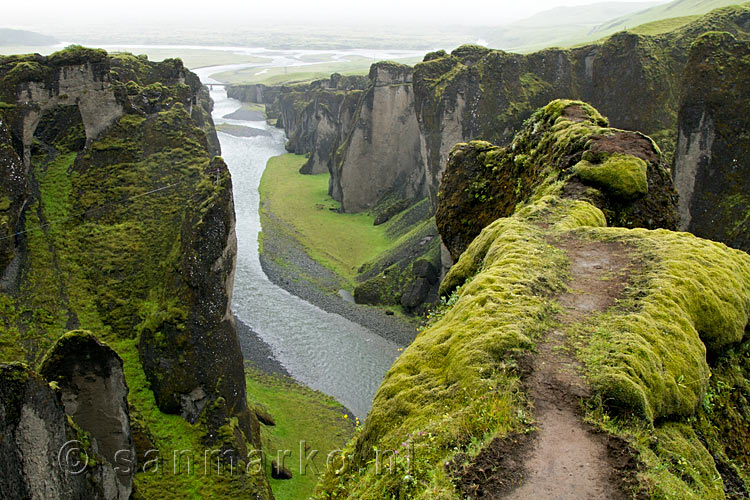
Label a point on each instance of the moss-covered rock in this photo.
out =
(44, 454)
(91, 383)
(652, 359)
(568, 142)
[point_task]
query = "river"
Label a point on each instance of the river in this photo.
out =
(321, 350)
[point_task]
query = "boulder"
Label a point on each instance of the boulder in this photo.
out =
(280, 471)
(94, 394)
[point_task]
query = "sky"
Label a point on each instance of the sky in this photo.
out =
(35, 13)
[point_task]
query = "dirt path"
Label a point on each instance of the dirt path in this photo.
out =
(564, 459)
(567, 460)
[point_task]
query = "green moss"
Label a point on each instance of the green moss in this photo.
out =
(687, 302)
(692, 297)
(620, 175)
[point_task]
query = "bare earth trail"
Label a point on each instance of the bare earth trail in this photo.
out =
(566, 459)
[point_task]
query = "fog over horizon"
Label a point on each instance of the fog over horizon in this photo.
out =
(57, 17)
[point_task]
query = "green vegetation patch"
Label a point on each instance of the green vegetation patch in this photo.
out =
(621, 175)
(342, 242)
(305, 420)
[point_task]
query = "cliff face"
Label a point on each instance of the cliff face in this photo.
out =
(41, 451)
(127, 230)
(382, 147)
(713, 146)
(664, 358)
(478, 93)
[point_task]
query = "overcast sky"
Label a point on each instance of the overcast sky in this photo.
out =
(33, 13)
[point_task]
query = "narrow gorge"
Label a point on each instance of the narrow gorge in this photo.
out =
(483, 274)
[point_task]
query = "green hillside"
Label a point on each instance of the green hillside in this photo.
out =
(678, 8)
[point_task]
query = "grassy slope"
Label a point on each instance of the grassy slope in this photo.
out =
(677, 8)
(663, 25)
(341, 242)
(300, 414)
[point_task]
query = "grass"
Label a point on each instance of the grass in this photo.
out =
(663, 25)
(357, 65)
(341, 242)
(300, 414)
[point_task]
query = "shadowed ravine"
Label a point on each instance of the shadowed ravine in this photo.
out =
(324, 351)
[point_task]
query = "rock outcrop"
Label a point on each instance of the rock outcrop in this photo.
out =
(43, 454)
(89, 378)
(713, 145)
(664, 356)
(620, 172)
(382, 148)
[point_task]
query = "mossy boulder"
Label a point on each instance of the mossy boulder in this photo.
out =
(567, 142)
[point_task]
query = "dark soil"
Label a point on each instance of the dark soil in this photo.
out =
(564, 458)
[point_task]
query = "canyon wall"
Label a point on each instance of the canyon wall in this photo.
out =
(124, 226)
(713, 145)
(478, 93)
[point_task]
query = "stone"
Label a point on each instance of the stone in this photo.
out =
(415, 293)
(280, 472)
(93, 391)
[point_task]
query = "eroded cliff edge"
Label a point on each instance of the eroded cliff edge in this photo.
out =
(120, 221)
(661, 369)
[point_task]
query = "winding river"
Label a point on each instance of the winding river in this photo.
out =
(321, 350)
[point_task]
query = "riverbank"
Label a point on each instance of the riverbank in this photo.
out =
(296, 208)
(301, 417)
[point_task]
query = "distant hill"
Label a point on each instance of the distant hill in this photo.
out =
(596, 13)
(21, 37)
(558, 25)
(677, 8)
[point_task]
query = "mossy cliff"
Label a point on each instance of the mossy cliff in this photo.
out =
(713, 146)
(666, 364)
(634, 79)
(36, 433)
(475, 93)
(621, 172)
(125, 228)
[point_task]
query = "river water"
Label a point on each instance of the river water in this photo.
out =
(321, 350)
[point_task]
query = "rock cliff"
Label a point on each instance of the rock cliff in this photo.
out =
(43, 454)
(713, 145)
(121, 220)
(659, 340)
(478, 93)
(382, 147)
